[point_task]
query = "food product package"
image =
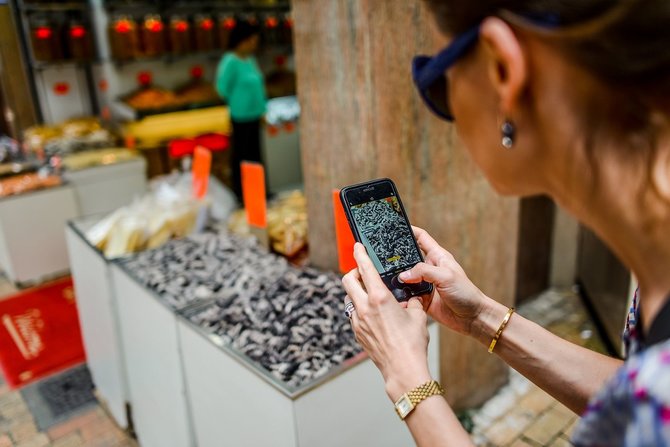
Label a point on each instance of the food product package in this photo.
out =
(287, 223)
(67, 137)
(167, 211)
(23, 183)
(97, 157)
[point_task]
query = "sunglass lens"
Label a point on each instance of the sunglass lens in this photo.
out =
(436, 95)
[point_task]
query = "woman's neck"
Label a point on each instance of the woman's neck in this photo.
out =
(625, 211)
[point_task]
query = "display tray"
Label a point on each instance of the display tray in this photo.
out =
(153, 131)
(127, 112)
(189, 383)
(286, 322)
(11, 169)
(7, 192)
(292, 392)
(95, 158)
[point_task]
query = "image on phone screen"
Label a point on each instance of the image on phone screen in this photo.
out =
(379, 222)
(386, 234)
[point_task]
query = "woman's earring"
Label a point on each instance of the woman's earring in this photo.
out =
(507, 130)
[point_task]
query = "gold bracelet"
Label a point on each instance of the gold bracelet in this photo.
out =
(500, 330)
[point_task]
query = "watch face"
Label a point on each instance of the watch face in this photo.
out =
(404, 406)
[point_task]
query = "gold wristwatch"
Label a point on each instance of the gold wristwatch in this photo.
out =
(411, 399)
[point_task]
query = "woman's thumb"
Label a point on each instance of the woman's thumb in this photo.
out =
(422, 272)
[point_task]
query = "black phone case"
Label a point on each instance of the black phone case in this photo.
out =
(357, 237)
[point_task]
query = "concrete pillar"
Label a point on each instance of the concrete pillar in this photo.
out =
(362, 119)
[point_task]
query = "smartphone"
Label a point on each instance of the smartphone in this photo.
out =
(378, 221)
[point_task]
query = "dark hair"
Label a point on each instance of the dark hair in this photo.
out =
(623, 43)
(242, 31)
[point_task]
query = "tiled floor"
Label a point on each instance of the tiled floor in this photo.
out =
(519, 415)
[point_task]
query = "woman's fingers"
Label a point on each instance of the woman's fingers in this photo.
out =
(352, 285)
(415, 303)
(425, 272)
(367, 269)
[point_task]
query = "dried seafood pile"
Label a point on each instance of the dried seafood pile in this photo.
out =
(205, 266)
(286, 319)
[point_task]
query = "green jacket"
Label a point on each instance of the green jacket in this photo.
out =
(240, 83)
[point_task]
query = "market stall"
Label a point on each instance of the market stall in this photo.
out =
(236, 331)
(105, 179)
(32, 244)
(99, 321)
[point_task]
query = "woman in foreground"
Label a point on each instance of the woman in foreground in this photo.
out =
(561, 97)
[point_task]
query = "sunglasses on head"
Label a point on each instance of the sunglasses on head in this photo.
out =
(429, 72)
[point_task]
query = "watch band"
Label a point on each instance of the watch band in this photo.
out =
(408, 401)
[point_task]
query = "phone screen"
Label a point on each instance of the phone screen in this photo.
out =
(386, 234)
(381, 225)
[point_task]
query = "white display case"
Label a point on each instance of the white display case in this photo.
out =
(188, 388)
(32, 235)
(102, 189)
(98, 318)
(153, 357)
(235, 402)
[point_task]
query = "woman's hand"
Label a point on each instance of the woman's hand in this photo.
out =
(394, 336)
(456, 302)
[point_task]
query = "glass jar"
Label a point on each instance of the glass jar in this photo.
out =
(225, 24)
(180, 35)
(204, 33)
(271, 29)
(45, 40)
(79, 41)
(286, 34)
(153, 35)
(123, 38)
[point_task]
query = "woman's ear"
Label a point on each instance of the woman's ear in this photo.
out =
(506, 60)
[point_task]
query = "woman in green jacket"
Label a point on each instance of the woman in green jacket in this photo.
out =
(239, 82)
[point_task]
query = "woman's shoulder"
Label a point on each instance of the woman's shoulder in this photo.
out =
(649, 374)
(229, 59)
(634, 405)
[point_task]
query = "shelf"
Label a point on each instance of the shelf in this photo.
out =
(54, 7)
(193, 7)
(37, 65)
(169, 58)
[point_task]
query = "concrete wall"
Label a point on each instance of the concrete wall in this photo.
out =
(362, 119)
